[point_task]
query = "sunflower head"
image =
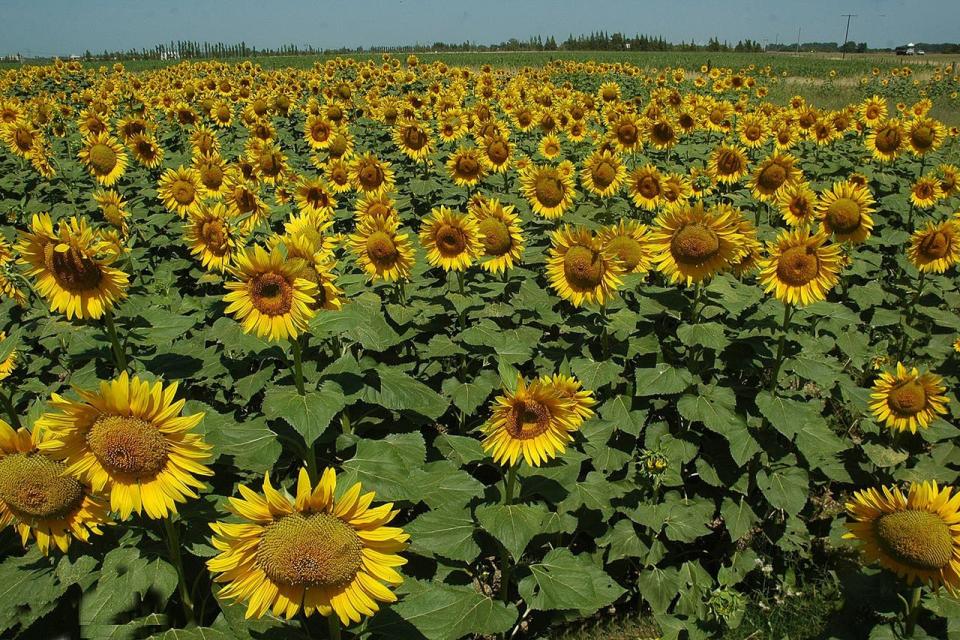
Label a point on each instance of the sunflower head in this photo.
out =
(451, 239)
(935, 248)
(800, 268)
(104, 157)
(844, 212)
(381, 251)
(690, 243)
(906, 399)
(581, 269)
(499, 232)
(628, 241)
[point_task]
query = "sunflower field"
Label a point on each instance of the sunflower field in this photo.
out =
(387, 349)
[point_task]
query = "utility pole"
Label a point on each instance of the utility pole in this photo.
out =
(846, 34)
(798, 40)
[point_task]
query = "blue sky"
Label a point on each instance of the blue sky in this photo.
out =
(46, 27)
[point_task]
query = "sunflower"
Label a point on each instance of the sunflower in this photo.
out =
(146, 150)
(886, 140)
(212, 171)
(128, 439)
(924, 135)
(549, 146)
(221, 112)
(644, 184)
(319, 131)
(603, 173)
(22, 137)
(907, 399)
(500, 235)
(496, 153)
(727, 164)
(242, 197)
(916, 536)
(72, 270)
(451, 239)
(796, 203)
(269, 160)
(213, 235)
(534, 421)
(661, 132)
(314, 551)
(609, 92)
(626, 133)
(677, 188)
(181, 190)
(382, 252)
(39, 499)
(369, 174)
(925, 192)
(104, 157)
(627, 240)
(570, 388)
(270, 296)
(949, 179)
(113, 208)
(752, 130)
(873, 110)
(581, 269)
(8, 362)
(466, 167)
(314, 196)
(413, 139)
(844, 212)
(772, 175)
(549, 190)
(935, 248)
(379, 205)
(691, 244)
(800, 268)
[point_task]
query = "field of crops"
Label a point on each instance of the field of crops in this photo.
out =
(381, 348)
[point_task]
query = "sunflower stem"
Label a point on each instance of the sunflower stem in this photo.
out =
(460, 281)
(173, 548)
(119, 355)
(787, 311)
(297, 365)
(908, 318)
(510, 483)
(8, 407)
(913, 611)
(333, 623)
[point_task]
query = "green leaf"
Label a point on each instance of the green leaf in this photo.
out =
(618, 412)
(705, 334)
(125, 578)
(659, 587)
(785, 488)
(461, 450)
(253, 446)
(29, 590)
(565, 581)
(401, 392)
(738, 516)
(309, 414)
(386, 466)
(664, 379)
(468, 396)
(195, 633)
(715, 407)
(442, 484)
(884, 457)
(442, 612)
(444, 532)
(514, 526)
(594, 375)
(362, 321)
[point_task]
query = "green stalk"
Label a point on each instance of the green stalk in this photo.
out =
(334, 624)
(787, 311)
(913, 611)
(510, 483)
(506, 567)
(606, 334)
(8, 407)
(460, 281)
(173, 549)
(904, 340)
(119, 355)
(297, 365)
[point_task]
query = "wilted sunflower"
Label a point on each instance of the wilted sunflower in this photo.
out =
(71, 268)
(534, 421)
(146, 150)
(581, 269)
(772, 175)
(797, 203)
(925, 192)
(39, 499)
(181, 190)
(269, 295)
(549, 190)
(916, 536)
(886, 140)
(314, 551)
(500, 235)
(935, 248)
(800, 268)
(844, 212)
(907, 399)
(690, 244)
(382, 252)
(104, 157)
(727, 164)
(451, 239)
(465, 167)
(603, 173)
(645, 186)
(213, 235)
(369, 174)
(130, 440)
(627, 240)
(314, 196)
(924, 135)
